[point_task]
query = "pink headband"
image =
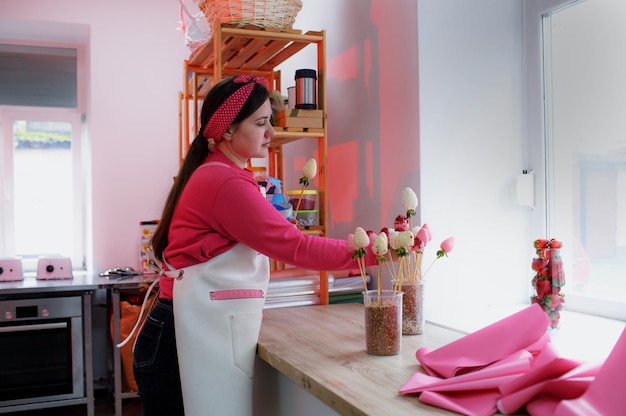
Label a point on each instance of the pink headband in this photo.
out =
(230, 108)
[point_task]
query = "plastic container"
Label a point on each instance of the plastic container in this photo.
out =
(308, 217)
(291, 97)
(146, 231)
(308, 202)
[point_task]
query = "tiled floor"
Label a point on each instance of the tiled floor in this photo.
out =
(104, 406)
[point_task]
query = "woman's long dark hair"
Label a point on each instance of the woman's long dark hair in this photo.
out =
(199, 150)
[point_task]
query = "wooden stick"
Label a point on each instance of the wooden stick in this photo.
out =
(299, 200)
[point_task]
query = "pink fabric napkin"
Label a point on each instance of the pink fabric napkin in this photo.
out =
(511, 366)
(471, 403)
(490, 377)
(543, 398)
(524, 330)
(557, 377)
(606, 394)
(548, 365)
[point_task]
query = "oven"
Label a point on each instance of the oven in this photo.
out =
(41, 350)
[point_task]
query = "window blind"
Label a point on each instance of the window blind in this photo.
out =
(38, 76)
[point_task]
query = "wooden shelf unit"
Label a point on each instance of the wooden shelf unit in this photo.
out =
(234, 51)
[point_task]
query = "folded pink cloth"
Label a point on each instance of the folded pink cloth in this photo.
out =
(560, 378)
(524, 330)
(606, 395)
(490, 377)
(511, 366)
(470, 403)
(547, 366)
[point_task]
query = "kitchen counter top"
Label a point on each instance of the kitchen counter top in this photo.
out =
(322, 349)
(81, 281)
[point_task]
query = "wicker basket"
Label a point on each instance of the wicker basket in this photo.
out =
(274, 14)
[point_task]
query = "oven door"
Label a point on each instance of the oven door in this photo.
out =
(41, 360)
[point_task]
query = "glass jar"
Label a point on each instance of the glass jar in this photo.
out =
(383, 322)
(548, 279)
(413, 308)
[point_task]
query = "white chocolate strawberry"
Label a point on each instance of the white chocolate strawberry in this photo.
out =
(379, 247)
(408, 201)
(401, 242)
(309, 170)
(361, 240)
(383, 236)
(406, 239)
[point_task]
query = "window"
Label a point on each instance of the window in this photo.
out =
(41, 157)
(585, 153)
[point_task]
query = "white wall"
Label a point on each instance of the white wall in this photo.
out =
(471, 149)
(452, 130)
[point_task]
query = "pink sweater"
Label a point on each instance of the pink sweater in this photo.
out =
(221, 205)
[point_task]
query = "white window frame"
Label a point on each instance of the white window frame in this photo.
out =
(80, 159)
(72, 116)
(536, 136)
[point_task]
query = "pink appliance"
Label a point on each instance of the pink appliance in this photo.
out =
(11, 269)
(51, 268)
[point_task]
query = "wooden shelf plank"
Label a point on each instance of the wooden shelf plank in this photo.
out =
(284, 137)
(233, 50)
(265, 54)
(269, 48)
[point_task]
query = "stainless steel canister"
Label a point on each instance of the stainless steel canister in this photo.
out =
(291, 97)
(306, 89)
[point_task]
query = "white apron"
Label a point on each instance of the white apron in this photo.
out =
(217, 313)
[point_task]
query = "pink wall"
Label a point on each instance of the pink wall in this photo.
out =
(135, 74)
(373, 108)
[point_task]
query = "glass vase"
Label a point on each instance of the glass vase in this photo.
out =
(547, 282)
(413, 308)
(383, 322)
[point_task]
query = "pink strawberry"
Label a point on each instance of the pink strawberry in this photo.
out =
(555, 244)
(555, 318)
(418, 244)
(548, 253)
(401, 223)
(558, 280)
(556, 271)
(542, 287)
(539, 263)
(554, 302)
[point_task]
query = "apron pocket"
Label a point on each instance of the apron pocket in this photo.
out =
(244, 336)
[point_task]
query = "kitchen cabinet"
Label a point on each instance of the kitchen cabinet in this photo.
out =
(46, 340)
(233, 51)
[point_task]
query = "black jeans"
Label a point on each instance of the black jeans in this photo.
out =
(155, 364)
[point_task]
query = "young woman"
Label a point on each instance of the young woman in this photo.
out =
(214, 239)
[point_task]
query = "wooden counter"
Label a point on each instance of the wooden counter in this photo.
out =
(322, 349)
